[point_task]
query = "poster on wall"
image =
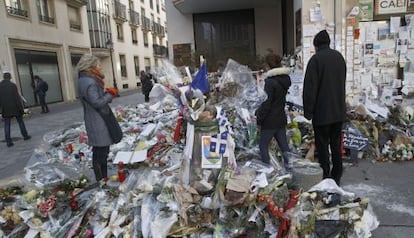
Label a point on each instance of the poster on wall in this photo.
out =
(366, 10)
(182, 54)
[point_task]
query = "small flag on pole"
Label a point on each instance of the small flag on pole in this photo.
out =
(200, 80)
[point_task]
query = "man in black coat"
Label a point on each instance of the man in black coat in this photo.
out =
(324, 103)
(41, 89)
(11, 105)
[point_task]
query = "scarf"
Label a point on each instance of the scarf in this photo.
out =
(95, 74)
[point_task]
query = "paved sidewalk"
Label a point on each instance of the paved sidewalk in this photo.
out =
(14, 159)
(390, 186)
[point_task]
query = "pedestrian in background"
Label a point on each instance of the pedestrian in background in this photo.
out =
(95, 99)
(40, 90)
(324, 103)
(146, 84)
(12, 106)
(271, 116)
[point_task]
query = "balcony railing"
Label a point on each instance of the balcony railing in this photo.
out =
(158, 29)
(146, 23)
(17, 12)
(77, 3)
(47, 19)
(120, 11)
(159, 50)
(133, 17)
(75, 26)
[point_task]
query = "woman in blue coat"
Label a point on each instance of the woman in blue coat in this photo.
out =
(93, 97)
(271, 116)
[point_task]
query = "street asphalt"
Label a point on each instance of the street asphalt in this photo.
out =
(389, 186)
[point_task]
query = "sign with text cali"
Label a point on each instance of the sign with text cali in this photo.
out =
(391, 6)
(355, 142)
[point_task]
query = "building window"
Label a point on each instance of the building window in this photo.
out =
(147, 62)
(74, 18)
(134, 36)
(158, 6)
(136, 64)
(142, 1)
(151, 4)
(122, 61)
(17, 8)
(119, 31)
(145, 34)
(99, 24)
(45, 11)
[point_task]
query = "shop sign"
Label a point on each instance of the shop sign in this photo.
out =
(391, 6)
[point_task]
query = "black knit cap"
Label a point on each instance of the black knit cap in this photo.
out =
(322, 38)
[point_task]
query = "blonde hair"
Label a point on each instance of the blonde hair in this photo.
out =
(86, 62)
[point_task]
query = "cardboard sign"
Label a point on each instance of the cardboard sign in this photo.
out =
(355, 142)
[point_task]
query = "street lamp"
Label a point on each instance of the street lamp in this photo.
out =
(110, 44)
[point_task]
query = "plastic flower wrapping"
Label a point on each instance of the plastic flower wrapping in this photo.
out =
(192, 170)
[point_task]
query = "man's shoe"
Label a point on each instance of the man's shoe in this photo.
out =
(27, 138)
(10, 144)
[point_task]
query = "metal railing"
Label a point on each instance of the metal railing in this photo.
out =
(146, 23)
(47, 19)
(17, 11)
(75, 26)
(133, 17)
(120, 11)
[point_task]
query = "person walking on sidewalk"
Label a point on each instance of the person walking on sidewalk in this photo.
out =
(91, 87)
(40, 90)
(11, 106)
(324, 103)
(146, 84)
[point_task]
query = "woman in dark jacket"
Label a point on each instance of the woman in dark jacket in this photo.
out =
(271, 116)
(94, 98)
(146, 84)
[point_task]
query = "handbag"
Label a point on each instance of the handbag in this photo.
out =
(111, 123)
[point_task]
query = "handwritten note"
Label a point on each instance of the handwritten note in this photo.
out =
(355, 142)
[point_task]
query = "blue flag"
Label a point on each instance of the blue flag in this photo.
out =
(200, 80)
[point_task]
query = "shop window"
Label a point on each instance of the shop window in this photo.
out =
(75, 22)
(18, 8)
(45, 11)
(44, 64)
(119, 31)
(122, 61)
(136, 65)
